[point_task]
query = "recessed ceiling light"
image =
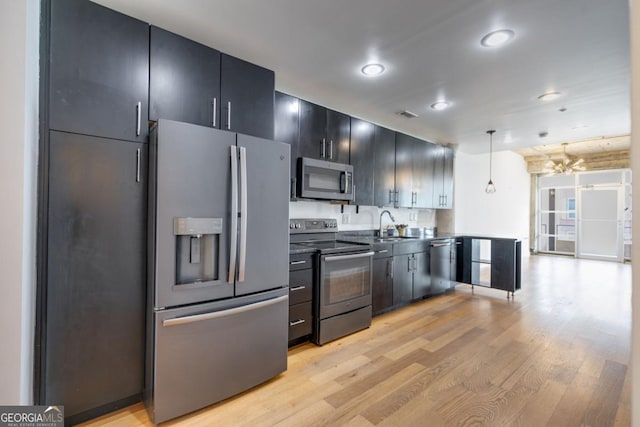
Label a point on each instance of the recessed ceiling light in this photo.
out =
(497, 38)
(440, 105)
(549, 96)
(372, 70)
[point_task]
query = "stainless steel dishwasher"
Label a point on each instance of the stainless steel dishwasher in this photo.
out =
(440, 255)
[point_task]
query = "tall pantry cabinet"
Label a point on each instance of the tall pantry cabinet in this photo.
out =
(90, 351)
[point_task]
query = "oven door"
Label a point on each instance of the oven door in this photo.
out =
(319, 179)
(345, 283)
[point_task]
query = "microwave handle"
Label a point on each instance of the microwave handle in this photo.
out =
(345, 182)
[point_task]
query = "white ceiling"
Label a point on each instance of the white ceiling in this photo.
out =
(431, 49)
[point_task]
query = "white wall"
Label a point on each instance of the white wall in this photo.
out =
(503, 213)
(368, 217)
(18, 155)
(635, 166)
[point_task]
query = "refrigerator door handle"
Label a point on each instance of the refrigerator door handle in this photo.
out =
(223, 313)
(243, 213)
(233, 231)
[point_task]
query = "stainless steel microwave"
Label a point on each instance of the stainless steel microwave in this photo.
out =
(319, 179)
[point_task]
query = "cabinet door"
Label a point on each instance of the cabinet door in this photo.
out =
(184, 80)
(99, 71)
(247, 95)
(503, 264)
(382, 284)
(421, 275)
(443, 178)
(463, 259)
(447, 178)
(337, 136)
(402, 279)
(424, 154)
(384, 168)
(313, 124)
(287, 129)
(362, 159)
(404, 170)
(438, 176)
(95, 290)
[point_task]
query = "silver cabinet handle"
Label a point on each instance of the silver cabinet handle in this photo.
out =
(214, 104)
(297, 288)
(243, 213)
(330, 149)
(391, 196)
(138, 165)
(344, 257)
(233, 246)
(384, 251)
(223, 313)
(397, 197)
(229, 115)
(322, 150)
(298, 262)
(390, 268)
(138, 117)
(297, 322)
(439, 245)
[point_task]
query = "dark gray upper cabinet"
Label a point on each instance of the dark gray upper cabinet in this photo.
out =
(338, 135)
(362, 159)
(415, 162)
(443, 178)
(184, 80)
(99, 71)
(287, 128)
(404, 170)
(424, 154)
(384, 148)
(96, 269)
(324, 133)
(247, 97)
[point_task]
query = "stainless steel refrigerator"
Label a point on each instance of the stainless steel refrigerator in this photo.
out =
(218, 267)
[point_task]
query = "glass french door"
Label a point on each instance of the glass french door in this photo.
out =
(600, 222)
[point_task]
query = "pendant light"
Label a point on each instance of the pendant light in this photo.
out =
(490, 189)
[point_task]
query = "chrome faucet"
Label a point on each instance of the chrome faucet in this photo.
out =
(390, 216)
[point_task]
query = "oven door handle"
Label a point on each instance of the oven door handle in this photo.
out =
(343, 257)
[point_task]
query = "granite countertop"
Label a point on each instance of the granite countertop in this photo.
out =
(295, 248)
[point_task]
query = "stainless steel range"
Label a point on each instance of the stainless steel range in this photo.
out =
(342, 299)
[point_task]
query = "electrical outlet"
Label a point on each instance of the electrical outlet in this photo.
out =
(413, 216)
(346, 218)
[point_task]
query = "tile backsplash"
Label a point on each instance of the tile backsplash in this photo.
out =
(367, 218)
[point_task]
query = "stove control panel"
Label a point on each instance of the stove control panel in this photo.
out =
(306, 225)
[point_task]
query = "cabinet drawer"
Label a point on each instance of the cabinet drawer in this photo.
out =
(299, 320)
(300, 261)
(300, 286)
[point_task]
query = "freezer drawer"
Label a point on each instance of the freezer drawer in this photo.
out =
(209, 352)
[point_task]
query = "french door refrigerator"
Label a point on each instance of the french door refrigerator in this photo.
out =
(218, 267)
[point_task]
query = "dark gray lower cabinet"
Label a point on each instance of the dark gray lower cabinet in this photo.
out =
(95, 287)
(498, 265)
(402, 279)
(300, 297)
(382, 279)
(421, 275)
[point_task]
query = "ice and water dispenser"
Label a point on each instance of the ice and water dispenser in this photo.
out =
(197, 249)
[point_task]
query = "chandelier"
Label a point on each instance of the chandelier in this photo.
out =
(566, 166)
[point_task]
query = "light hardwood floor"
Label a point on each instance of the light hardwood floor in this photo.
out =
(557, 355)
